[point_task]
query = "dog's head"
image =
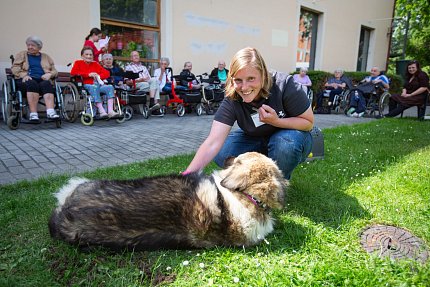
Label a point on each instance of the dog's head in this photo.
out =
(257, 175)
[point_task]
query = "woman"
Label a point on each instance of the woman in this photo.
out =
(303, 79)
(34, 72)
(92, 75)
(414, 93)
(274, 117)
(116, 72)
(94, 36)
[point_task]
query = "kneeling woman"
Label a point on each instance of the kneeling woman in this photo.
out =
(92, 74)
(273, 114)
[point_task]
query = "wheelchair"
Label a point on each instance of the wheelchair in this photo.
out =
(15, 108)
(213, 93)
(89, 112)
(377, 102)
(182, 100)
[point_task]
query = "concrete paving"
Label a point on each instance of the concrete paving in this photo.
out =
(33, 151)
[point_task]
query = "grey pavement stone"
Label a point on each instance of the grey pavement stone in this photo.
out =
(76, 148)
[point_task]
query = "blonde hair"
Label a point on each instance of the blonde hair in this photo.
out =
(248, 56)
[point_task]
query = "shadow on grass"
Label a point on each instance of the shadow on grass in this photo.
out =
(319, 189)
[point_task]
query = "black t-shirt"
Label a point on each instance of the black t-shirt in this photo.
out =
(286, 97)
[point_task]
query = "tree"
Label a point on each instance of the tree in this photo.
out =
(411, 31)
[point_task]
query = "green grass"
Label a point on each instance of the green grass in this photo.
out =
(378, 172)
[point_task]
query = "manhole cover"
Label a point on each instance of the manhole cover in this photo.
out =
(394, 242)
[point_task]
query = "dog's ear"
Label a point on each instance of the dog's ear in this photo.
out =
(229, 161)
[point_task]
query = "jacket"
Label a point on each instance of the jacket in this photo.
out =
(20, 65)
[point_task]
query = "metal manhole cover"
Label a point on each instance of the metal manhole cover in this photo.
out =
(394, 242)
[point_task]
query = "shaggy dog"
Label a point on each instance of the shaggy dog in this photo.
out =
(231, 207)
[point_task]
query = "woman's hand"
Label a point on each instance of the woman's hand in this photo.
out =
(46, 76)
(93, 75)
(26, 78)
(267, 115)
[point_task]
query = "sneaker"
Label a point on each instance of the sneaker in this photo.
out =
(350, 111)
(378, 117)
(154, 106)
(103, 115)
(52, 116)
(354, 115)
(112, 114)
(156, 113)
(34, 117)
(360, 115)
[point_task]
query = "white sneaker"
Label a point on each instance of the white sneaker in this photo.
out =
(350, 111)
(34, 117)
(53, 116)
(355, 115)
(361, 114)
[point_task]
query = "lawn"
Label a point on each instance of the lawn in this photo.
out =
(377, 172)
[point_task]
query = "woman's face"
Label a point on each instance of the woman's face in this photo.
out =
(412, 69)
(247, 82)
(164, 64)
(32, 48)
(87, 56)
(337, 74)
(97, 37)
(107, 62)
(302, 73)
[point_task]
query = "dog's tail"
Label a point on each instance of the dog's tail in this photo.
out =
(62, 195)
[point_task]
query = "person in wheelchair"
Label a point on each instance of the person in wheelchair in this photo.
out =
(334, 86)
(303, 79)
(220, 72)
(369, 85)
(186, 75)
(144, 82)
(34, 72)
(116, 72)
(93, 74)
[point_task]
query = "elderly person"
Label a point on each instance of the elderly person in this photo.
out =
(186, 75)
(334, 86)
(220, 72)
(35, 72)
(144, 82)
(116, 72)
(303, 79)
(367, 86)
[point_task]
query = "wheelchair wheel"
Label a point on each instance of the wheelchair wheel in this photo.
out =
(122, 118)
(87, 119)
(199, 109)
(6, 106)
(13, 122)
(69, 105)
(383, 104)
(180, 110)
(163, 110)
(128, 112)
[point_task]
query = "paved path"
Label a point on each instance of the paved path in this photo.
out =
(36, 150)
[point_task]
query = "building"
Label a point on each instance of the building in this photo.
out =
(319, 34)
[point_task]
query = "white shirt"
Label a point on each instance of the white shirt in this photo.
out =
(164, 79)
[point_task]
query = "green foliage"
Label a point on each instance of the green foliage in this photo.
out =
(377, 172)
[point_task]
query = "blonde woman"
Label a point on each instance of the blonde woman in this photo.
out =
(273, 114)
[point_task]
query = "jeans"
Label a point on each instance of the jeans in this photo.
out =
(287, 147)
(96, 89)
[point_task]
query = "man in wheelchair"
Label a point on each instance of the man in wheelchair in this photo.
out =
(369, 87)
(34, 72)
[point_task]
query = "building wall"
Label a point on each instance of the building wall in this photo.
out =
(205, 31)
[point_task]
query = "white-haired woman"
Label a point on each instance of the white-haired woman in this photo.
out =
(303, 79)
(34, 72)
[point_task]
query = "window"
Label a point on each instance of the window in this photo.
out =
(306, 44)
(363, 49)
(132, 25)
